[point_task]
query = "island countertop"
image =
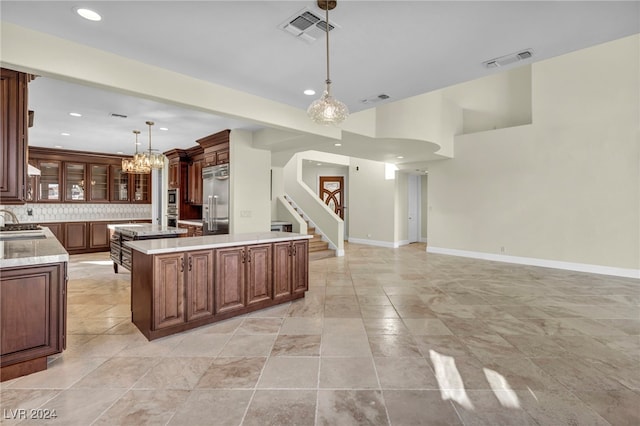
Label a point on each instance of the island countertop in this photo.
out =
(32, 252)
(145, 229)
(174, 245)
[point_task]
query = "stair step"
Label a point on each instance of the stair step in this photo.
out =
(323, 254)
(318, 246)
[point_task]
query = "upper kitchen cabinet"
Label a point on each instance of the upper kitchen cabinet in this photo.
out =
(178, 174)
(216, 148)
(14, 124)
(99, 182)
(74, 178)
(84, 177)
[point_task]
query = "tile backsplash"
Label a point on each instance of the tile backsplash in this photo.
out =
(76, 212)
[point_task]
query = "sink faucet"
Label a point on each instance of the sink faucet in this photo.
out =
(14, 218)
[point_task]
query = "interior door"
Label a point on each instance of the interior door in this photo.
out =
(332, 193)
(413, 228)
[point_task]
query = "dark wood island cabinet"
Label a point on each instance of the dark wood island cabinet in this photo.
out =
(180, 284)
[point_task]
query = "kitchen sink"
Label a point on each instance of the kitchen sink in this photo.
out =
(14, 236)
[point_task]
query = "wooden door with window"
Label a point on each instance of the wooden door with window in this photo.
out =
(332, 193)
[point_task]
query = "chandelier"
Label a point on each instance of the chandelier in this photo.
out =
(143, 162)
(327, 109)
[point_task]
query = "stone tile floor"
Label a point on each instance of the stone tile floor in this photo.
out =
(383, 336)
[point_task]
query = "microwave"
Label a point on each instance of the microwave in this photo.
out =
(172, 197)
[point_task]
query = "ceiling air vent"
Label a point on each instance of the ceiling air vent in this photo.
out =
(116, 115)
(306, 25)
(374, 99)
(508, 59)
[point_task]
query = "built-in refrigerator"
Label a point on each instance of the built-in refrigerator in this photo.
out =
(215, 199)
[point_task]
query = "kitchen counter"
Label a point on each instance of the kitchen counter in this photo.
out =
(190, 222)
(32, 252)
(146, 229)
(211, 242)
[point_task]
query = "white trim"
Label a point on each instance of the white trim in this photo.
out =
(339, 253)
(377, 243)
(423, 239)
(386, 244)
(570, 266)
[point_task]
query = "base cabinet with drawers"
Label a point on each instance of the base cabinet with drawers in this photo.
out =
(173, 292)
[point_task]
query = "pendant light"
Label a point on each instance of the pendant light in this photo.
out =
(327, 109)
(135, 165)
(153, 161)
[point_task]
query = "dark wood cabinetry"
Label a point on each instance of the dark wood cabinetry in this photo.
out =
(84, 177)
(32, 317)
(56, 229)
(168, 290)
(179, 291)
(192, 230)
(195, 183)
(199, 290)
(75, 237)
(98, 236)
(14, 124)
(290, 268)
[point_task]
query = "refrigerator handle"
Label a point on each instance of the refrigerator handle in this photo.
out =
(215, 212)
(209, 207)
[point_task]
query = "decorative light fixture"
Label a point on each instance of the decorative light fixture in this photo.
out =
(135, 165)
(143, 162)
(327, 109)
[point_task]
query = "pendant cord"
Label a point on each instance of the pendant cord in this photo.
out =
(326, 4)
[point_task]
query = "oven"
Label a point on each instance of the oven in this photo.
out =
(172, 207)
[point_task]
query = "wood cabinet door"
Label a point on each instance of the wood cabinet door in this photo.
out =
(98, 235)
(13, 126)
(75, 236)
(141, 189)
(195, 183)
(300, 263)
(48, 188)
(199, 284)
(168, 290)
(281, 269)
(75, 180)
(229, 279)
(222, 156)
(259, 277)
(32, 312)
(174, 174)
(119, 184)
(98, 182)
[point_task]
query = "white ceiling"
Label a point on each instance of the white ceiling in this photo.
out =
(400, 48)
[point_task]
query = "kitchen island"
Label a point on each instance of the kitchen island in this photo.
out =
(120, 253)
(33, 301)
(182, 283)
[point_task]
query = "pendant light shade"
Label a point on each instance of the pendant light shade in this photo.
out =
(143, 162)
(327, 109)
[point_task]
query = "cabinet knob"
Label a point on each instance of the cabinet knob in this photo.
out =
(182, 265)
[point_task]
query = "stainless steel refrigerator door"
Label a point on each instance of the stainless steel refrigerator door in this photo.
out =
(215, 194)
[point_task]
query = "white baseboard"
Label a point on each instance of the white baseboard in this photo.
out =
(569, 266)
(377, 243)
(340, 253)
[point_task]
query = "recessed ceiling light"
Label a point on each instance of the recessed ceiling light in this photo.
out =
(88, 14)
(164, 128)
(75, 114)
(65, 134)
(309, 92)
(119, 152)
(337, 144)
(319, 164)
(58, 146)
(399, 157)
(138, 143)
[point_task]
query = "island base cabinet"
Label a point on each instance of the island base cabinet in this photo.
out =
(179, 291)
(33, 306)
(291, 274)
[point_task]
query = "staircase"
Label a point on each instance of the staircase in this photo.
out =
(318, 249)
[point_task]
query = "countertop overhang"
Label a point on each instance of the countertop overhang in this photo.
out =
(31, 252)
(174, 245)
(146, 229)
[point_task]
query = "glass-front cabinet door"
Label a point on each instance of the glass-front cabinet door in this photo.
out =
(142, 188)
(99, 181)
(49, 188)
(74, 182)
(119, 184)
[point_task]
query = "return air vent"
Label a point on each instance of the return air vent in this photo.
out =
(116, 115)
(374, 99)
(508, 59)
(306, 25)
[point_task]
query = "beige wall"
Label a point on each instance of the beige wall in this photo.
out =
(249, 188)
(371, 202)
(565, 188)
(424, 207)
(401, 213)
